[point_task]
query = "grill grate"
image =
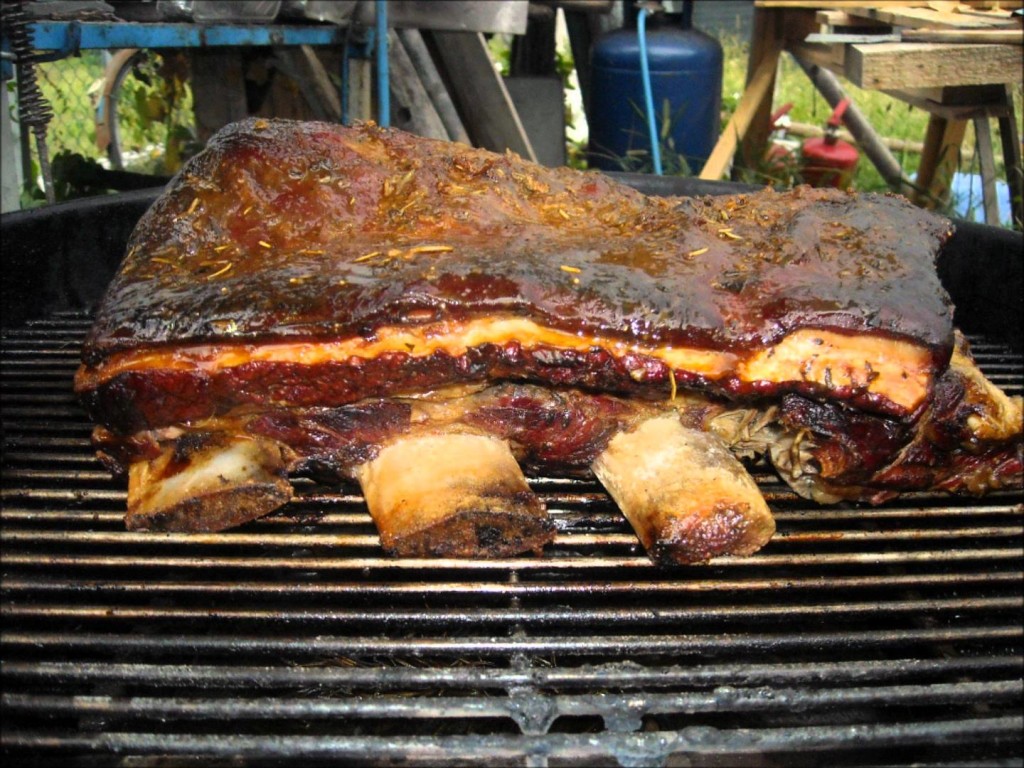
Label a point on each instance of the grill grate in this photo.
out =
(858, 634)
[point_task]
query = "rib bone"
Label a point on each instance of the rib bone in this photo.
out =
(444, 494)
(199, 484)
(686, 496)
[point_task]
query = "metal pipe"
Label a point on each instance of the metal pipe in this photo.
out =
(866, 136)
(645, 75)
(383, 76)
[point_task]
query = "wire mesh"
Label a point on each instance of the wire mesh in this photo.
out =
(112, 110)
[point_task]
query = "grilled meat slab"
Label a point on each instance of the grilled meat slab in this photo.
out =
(334, 292)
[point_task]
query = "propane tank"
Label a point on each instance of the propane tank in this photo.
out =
(686, 73)
(828, 161)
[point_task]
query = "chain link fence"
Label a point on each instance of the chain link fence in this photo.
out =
(113, 110)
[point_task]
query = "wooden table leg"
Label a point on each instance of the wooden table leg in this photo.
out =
(939, 160)
(987, 165)
(1012, 158)
(758, 92)
(767, 40)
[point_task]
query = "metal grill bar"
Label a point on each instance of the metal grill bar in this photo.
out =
(866, 632)
(410, 619)
(642, 748)
(570, 645)
(738, 699)
(314, 540)
(125, 587)
(615, 675)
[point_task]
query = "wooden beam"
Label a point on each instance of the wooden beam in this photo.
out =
(480, 93)
(987, 164)
(757, 93)
(1010, 139)
(957, 103)
(767, 40)
(940, 160)
(839, 19)
(898, 14)
(416, 112)
(884, 66)
(832, 57)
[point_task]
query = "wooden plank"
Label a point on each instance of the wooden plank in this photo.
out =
(758, 91)
(831, 4)
(923, 65)
(956, 102)
(415, 111)
(987, 165)
(975, 36)
(1000, 19)
(840, 19)
(1010, 139)
(904, 16)
(832, 57)
(1002, 5)
(939, 161)
(487, 109)
(835, 18)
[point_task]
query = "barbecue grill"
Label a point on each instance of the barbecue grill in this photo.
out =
(859, 635)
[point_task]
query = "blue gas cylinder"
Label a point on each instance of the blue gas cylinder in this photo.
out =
(686, 82)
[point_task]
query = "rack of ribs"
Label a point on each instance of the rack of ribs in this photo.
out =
(432, 321)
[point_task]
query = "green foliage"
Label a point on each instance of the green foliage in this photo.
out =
(154, 116)
(500, 47)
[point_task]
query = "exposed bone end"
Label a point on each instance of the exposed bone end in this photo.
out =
(454, 495)
(686, 496)
(206, 483)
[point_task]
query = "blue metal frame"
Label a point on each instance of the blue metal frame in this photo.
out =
(67, 38)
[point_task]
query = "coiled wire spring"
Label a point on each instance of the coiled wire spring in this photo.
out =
(34, 111)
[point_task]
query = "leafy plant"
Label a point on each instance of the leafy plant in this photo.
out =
(155, 113)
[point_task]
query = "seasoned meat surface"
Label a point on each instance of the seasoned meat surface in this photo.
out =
(307, 230)
(432, 263)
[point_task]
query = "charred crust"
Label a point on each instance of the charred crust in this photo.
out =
(214, 512)
(727, 529)
(476, 534)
